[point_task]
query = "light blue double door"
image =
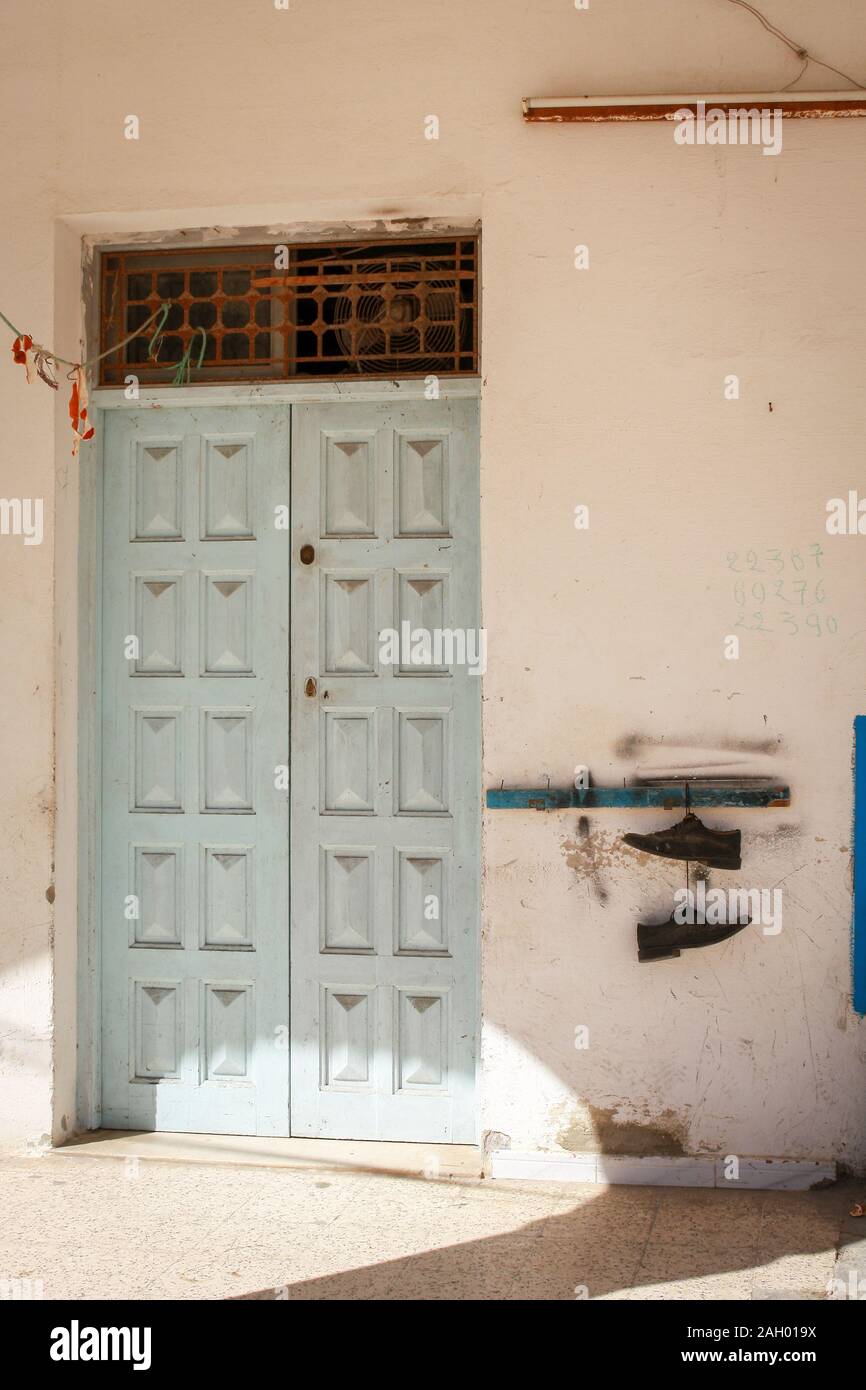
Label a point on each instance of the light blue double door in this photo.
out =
(290, 796)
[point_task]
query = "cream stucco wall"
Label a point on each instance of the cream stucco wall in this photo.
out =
(602, 387)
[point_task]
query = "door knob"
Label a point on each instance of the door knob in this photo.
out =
(310, 687)
(308, 554)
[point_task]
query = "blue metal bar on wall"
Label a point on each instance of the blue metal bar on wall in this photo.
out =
(859, 945)
(631, 798)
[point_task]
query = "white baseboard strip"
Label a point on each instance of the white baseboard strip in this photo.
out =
(784, 1174)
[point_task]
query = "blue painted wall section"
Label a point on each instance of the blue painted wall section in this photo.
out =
(860, 864)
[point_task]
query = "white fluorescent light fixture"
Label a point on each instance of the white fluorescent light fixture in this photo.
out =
(802, 105)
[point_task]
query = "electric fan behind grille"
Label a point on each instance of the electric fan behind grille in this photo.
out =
(382, 327)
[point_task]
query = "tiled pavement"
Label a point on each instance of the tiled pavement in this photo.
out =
(145, 1229)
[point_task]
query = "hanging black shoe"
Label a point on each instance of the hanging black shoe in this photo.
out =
(665, 940)
(691, 839)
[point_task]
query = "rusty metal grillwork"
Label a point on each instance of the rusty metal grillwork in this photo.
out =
(334, 309)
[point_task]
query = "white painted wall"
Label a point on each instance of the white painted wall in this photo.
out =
(602, 387)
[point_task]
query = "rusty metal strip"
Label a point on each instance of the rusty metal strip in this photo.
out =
(818, 108)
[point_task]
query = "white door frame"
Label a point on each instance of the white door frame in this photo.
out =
(82, 779)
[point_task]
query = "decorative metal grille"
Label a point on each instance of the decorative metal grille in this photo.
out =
(334, 309)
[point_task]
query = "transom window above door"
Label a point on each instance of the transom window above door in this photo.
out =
(327, 310)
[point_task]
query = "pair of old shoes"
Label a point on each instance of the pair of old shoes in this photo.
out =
(688, 839)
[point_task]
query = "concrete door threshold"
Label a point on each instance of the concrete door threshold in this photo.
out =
(317, 1155)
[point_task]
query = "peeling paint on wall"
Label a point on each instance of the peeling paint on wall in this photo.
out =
(600, 1129)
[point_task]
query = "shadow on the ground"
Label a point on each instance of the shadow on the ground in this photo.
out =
(610, 1245)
